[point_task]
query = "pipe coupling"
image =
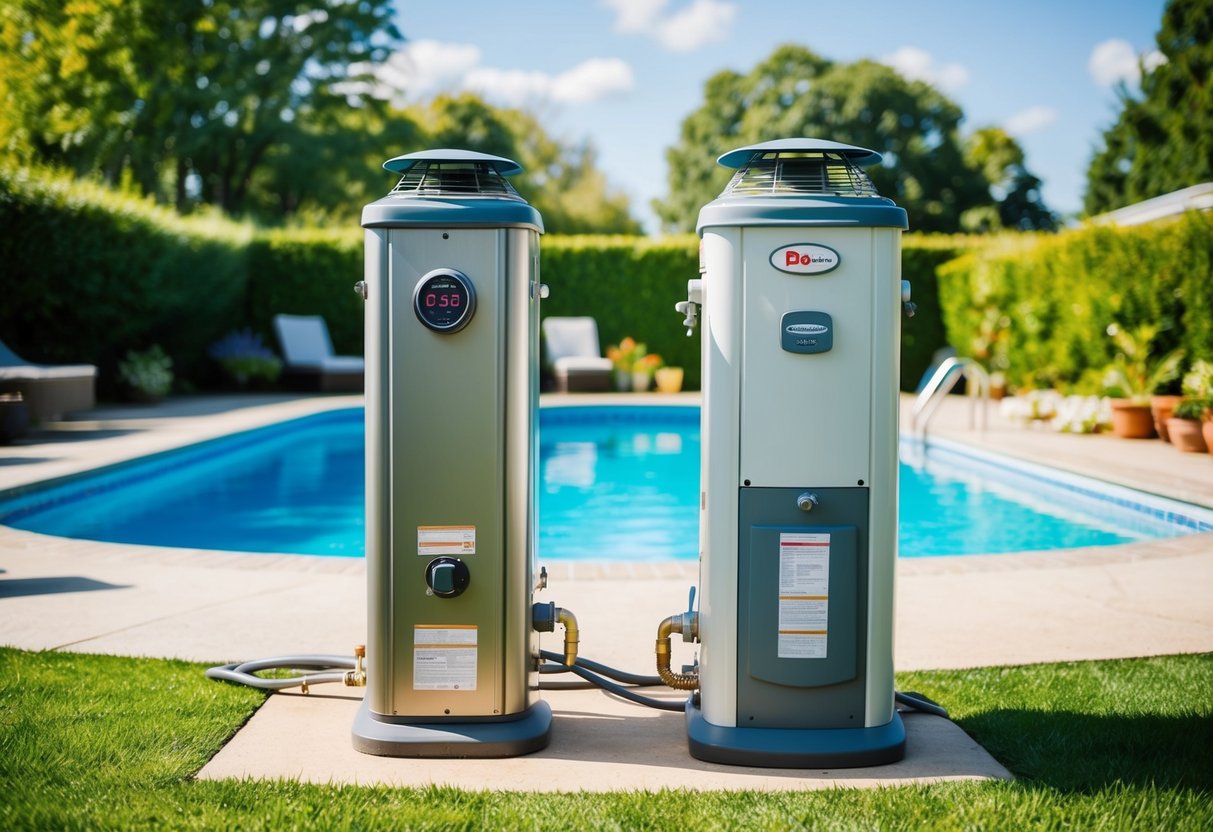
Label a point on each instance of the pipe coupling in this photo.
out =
(681, 623)
(355, 678)
(571, 635)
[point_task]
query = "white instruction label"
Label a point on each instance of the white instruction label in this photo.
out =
(804, 595)
(444, 657)
(446, 540)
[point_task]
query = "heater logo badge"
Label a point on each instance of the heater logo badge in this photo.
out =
(805, 258)
(806, 332)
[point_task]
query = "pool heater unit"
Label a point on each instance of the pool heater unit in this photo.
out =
(452, 331)
(800, 298)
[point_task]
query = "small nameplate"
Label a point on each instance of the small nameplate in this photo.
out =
(806, 332)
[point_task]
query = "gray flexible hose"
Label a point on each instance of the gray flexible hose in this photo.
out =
(330, 669)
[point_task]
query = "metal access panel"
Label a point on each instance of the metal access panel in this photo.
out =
(802, 608)
(458, 406)
(806, 410)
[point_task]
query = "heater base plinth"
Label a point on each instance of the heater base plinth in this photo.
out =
(510, 738)
(795, 747)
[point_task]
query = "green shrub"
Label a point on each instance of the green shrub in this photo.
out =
(91, 274)
(1053, 298)
(922, 335)
(308, 272)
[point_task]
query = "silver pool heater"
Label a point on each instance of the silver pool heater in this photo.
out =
(452, 331)
(800, 300)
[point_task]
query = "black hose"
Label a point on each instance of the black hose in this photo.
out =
(627, 678)
(920, 703)
(626, 693)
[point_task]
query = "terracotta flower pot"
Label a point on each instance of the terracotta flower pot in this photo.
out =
(1131, 420)
(1206, 430)
(1160, 408)
(1186, 435)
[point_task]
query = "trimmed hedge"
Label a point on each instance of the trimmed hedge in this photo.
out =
(90, 274)
(922, 335)
(1038, 307)
(308, 272)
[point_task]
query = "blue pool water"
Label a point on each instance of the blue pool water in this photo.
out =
(619, 483)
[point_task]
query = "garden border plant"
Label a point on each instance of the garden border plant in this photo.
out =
(1055, 296)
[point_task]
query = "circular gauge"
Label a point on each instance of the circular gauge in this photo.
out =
(444, 300)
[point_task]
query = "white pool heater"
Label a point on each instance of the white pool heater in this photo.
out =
(452, 333)
(800, 298)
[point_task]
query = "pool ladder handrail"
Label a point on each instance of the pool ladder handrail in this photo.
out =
(945, 377)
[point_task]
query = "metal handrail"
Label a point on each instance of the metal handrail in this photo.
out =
(945, 377)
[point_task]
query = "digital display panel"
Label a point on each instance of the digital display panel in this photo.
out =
(444, 300)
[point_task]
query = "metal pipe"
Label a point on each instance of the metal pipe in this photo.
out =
(356, 678)
(674, 624)
(571, 635)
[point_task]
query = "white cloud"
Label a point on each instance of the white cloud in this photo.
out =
(1114, 61)
(426, 67)
(635, 15)
(1030, 120)
(695, 24)
(702, 22)
(591, 80)
(919, 65)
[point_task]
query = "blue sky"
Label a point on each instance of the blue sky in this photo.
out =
(624, 73)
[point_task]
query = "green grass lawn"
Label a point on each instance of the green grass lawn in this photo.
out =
(89, 742)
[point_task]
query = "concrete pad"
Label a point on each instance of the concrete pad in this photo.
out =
(599, 743)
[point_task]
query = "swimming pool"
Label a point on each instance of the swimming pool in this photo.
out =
(617, 483)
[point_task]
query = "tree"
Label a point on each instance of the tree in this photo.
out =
(795, 92)
(1162, 139)
(1018, 203)
(189, 98)
(561, 181)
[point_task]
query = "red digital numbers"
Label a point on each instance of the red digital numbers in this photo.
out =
(443, 301)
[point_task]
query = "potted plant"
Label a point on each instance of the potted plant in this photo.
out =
(1184, 426)
(1161, 407)
(1198, 385)
(1132, 378)
(148, 374)
(245, 359)
(643, 369)
(623, 355)
(669, 379)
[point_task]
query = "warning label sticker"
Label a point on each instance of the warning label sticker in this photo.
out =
(446, 540)
(804, 595)
(444, 657)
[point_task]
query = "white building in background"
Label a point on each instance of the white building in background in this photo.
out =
(1195, 198)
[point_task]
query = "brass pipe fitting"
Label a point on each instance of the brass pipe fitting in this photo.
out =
(356, 678)
(571, 635)
(674, 624)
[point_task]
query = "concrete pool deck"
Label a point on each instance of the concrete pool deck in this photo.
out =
(1110, 602)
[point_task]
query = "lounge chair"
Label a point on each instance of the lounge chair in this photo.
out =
(307, 354)
(48, 390)
(575, 355)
